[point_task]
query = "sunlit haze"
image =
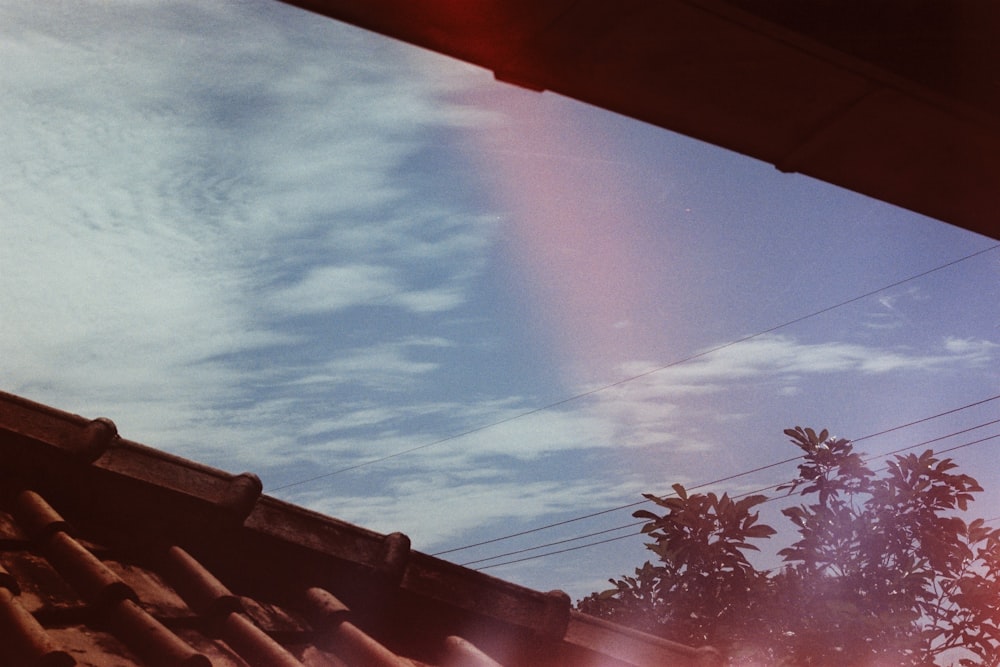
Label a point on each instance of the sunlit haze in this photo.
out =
(421, 300)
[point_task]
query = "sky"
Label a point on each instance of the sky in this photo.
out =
(417, 299)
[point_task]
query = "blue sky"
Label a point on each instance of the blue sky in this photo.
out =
(270, 242)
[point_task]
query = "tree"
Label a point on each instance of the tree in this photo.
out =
(883, 572)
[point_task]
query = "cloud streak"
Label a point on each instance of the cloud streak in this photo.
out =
(655, 413)
(172, 216)
(249, 237)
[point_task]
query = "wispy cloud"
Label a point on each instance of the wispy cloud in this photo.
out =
(657, 408)
(971, 350)
(664, 413)
(438, 508)
(777, 355)
(329, 288)
(173, 215)
(384, 366)
(241, 232)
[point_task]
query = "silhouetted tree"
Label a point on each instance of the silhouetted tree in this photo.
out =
(883, 573)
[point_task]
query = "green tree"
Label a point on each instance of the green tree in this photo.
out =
(883, 572)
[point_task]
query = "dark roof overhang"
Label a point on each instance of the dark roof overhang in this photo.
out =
(893, 99)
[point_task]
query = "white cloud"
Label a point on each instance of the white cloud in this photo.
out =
(433, 509)
(662, 410)
(354, 417)
(971, 349)
(388, 366)
(774, 355)
(538, 434)
(658, 408)
(192, 195)
(328, 288)
(432, 300)
(167, 166)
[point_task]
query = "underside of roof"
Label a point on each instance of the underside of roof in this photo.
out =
(895, 99)
(114, 553)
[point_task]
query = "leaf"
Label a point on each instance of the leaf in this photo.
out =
(760, 531)
(662, 502)
(674, 504)
(880, 570)
(750, 501)
(798, 437)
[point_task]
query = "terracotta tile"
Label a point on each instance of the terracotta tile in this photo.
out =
(42, 589)
(209, 596)
(150, 638)
(154, 594)
(216, 650)
(199, 588)
(109, 599)
(93, 648)
(340, 636)
(462, 653)
(254, 645)
(11, 535)
(274, 619)
(85, 572)
(8, 581)
(36, 517)
(25, 641)
(312, 656)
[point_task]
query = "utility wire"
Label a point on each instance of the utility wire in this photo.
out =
(700, 485)
(560, 551)
(613, 509)
(925, 419)
(623, 537)
(735, 497)
(747, 493)
(552, 544)
(632, 378)
(766, 488)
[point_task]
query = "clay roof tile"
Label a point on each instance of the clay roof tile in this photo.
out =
(340, 636)
(25, 641)
(160, 560)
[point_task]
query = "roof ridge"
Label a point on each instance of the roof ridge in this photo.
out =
(207, 533)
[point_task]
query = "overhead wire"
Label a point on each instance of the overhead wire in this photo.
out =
(714, 482)
(618, 383)
(612, 509)
(552, 544)
(767, 488)
(740, 495)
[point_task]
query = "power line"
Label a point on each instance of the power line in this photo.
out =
(613, 509)
(560, 551)
(552, 544)
(767, 488)
(740, 495)
(747, 493)
(943, 437)
(618, 383)
(926, 419)
(700, 485)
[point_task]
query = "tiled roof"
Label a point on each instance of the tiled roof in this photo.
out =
(114, 553)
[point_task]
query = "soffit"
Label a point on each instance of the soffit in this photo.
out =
(893, 99)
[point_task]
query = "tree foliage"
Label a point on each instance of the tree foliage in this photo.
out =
(883, 571)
